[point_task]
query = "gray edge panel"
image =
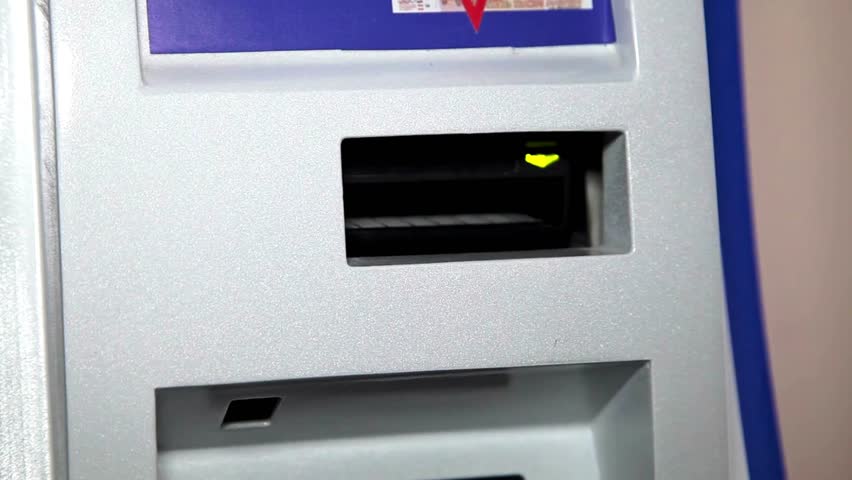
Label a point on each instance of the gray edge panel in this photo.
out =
(32, 409)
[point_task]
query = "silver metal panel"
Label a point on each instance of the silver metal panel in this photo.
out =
(32, 422)
(203, 233)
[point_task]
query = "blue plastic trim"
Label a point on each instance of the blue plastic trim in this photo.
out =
(757, 407)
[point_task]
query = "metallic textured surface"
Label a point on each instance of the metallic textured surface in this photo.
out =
(54, 339)
(203, 238)
(31, 388)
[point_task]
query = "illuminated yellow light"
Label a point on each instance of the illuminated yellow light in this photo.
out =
(542, 160)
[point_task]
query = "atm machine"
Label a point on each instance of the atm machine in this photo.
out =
(378, 240)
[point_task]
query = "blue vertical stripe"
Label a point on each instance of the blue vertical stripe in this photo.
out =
(760, 430)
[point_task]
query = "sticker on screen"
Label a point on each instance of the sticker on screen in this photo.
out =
(439, 6)
(476, 9)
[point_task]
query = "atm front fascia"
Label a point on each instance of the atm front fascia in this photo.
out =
(317, 240)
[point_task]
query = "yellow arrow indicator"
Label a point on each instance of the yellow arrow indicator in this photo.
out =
(542, 161)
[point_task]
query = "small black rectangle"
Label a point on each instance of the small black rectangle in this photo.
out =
(456, 197)
(250, 412)
(502, 477)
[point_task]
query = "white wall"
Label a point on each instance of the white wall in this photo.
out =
(798, 69)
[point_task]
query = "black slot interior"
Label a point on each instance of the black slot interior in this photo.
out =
(450, 195)
(502, 477)
(250, 412)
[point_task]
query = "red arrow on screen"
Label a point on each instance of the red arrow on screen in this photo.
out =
(475, 10)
